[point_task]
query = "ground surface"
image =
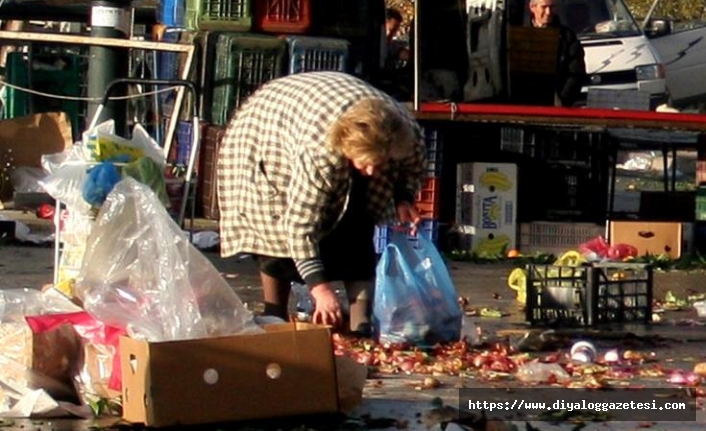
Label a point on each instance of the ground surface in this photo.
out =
(678, 340)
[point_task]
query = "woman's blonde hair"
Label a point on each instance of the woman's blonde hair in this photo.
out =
(372, 131)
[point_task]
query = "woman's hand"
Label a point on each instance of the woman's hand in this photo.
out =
(407, 214)
(328, 309)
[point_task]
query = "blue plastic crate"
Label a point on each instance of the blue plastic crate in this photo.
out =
(184, 133)
(429, 229)
(307, 54)
(168, 62)
(168, 68)
(432, 139)
(171, 12)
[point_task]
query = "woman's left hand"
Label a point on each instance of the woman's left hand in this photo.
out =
(407, 214)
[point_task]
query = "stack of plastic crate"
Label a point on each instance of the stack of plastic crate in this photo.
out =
(427, 200)
(292, 19)
(244, 61)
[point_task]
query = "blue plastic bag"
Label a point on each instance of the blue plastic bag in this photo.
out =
(415, 298)
(100, 181)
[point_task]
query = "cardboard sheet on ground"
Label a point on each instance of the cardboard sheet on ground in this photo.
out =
(351, 380)
(24, 140)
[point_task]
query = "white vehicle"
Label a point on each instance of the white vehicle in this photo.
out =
(618, 55)
(682, 46)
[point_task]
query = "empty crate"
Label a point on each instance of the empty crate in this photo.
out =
(226, 15)
(308, 54)
(588, 295)
(243, 63)
(283, 16)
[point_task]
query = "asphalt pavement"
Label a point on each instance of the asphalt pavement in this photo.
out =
(675, 342)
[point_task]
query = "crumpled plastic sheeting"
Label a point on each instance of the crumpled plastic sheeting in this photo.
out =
(141, 273)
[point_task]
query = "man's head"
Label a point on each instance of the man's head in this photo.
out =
(393, 21)
(543, 12)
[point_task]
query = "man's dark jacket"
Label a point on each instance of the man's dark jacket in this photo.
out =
(571, 67)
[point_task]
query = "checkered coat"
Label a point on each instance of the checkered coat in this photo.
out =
(280, 189)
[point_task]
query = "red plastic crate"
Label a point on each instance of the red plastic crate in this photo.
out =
(209, 157)
(283, 16)
(427, 200)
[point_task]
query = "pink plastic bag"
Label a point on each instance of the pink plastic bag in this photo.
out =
(90, 330)
(599, 249)
(595, 249)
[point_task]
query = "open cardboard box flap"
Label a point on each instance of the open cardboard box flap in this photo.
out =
(289, 370)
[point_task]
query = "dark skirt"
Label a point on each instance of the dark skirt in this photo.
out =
(347, 252)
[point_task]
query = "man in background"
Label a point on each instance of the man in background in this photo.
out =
(397, 50)
(571, 67)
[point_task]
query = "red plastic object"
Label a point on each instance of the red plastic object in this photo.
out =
(45, 211)
(621, 252)
(597, 245)
(283, 16)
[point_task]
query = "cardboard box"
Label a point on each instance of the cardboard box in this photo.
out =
(289, 370)
(649, 237)
(24, 140)
(486, 207)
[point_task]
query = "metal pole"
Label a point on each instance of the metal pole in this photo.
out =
(416, 41)
(108, 18)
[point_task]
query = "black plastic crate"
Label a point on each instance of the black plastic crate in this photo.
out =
(589, 295)
(624, 292)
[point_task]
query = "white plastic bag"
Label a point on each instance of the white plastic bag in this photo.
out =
(141, 273)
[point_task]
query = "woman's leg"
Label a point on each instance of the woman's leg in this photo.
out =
(360, 300)
(276, 296)
(277, 275)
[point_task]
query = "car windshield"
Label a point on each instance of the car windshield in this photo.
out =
(598, 19)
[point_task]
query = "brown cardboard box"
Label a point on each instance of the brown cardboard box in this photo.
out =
(289, 370)
(648, 237)
(24, 140)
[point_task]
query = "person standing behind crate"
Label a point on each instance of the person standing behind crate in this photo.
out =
(397, 51)
(571, 66)
(307, 167)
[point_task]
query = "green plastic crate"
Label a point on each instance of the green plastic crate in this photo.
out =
(58, 74)
(225, 15)
(244, 62)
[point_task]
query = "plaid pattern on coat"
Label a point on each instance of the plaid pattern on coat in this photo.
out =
(280, 189)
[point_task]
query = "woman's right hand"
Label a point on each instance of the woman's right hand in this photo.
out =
(328, 308)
